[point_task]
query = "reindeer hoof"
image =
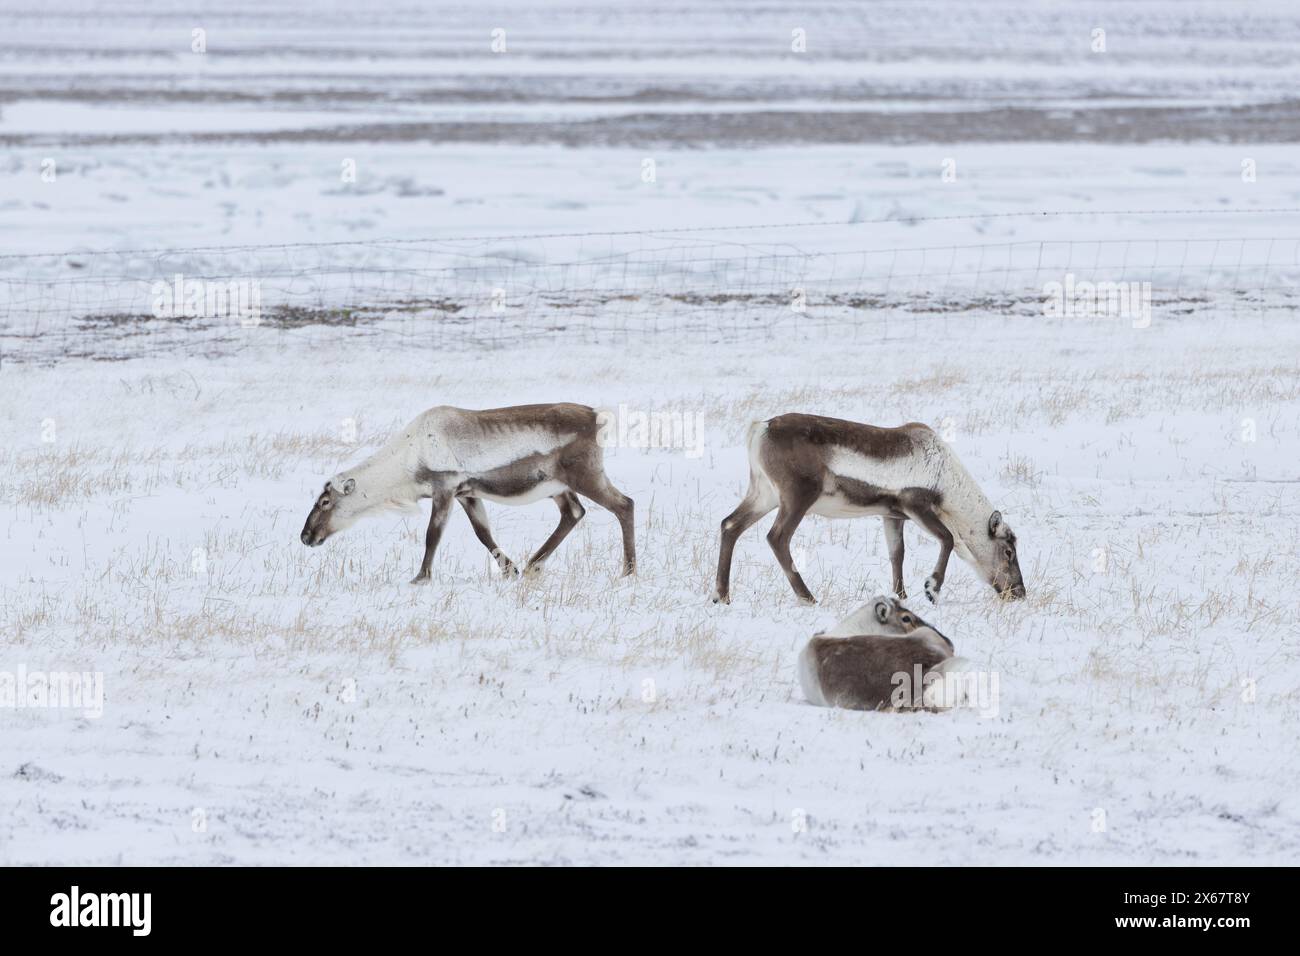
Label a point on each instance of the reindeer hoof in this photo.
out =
(718, 598)
(509, 570)
(932, 586)
(422, 579)
(628, 570)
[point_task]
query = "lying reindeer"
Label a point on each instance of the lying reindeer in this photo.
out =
(856, 664)
(513, 456)
(838, 469)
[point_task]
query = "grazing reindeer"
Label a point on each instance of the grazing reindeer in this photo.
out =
(838, 469)
(514, 456)
(854, 664)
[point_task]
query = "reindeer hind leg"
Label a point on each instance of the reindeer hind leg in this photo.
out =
(593, 484)
(751, 509)
(795, 503)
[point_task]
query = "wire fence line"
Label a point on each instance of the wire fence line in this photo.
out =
(893, 219)
(475, 292)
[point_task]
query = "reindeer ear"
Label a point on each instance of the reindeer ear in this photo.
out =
(995, 524)
(349, 486)
(882, 610)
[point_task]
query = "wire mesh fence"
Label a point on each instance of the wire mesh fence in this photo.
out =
(477, 292)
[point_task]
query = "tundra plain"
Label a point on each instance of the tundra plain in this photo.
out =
(379, 170)
(270, 703)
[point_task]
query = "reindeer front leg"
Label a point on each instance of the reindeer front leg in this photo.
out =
(926, 517)
(441, 508)
(571, 512)
(894, 541)
(478, 518)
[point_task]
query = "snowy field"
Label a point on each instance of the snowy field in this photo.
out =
(316, 708)
(266, 703)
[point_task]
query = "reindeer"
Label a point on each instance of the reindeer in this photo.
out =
(856, 664)
(839, 469)
(513, 456)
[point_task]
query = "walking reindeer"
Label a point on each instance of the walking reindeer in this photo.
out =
(807, 463)
(512, 456)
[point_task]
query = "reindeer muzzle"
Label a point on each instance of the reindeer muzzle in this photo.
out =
(312, 534)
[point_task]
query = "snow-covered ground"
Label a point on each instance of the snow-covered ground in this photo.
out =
(318, 709)
(268, 703)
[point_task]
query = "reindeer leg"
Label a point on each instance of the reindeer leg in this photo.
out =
(478, 518)
(794, 505)
(926, 517)
(598, 488)
(749, 511)
(441, 508)
(571, 512)
(894, 541)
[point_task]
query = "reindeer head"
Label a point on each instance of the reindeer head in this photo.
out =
(891, 617)
(1003, 565)
(884, 616)
(336, 508)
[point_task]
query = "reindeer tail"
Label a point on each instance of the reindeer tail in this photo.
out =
(808, 680)
(606, 427)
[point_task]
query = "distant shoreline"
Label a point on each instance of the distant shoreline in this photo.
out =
(1254, 123)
